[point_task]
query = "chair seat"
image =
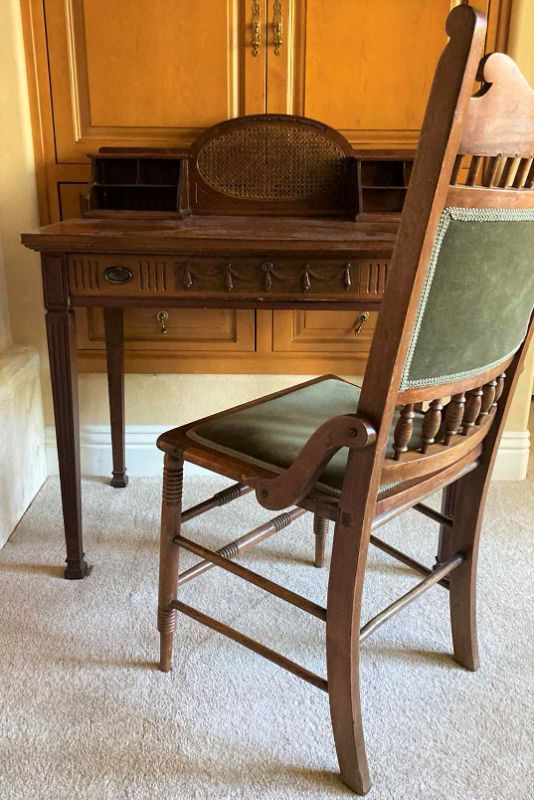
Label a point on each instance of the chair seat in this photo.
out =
(272, 432)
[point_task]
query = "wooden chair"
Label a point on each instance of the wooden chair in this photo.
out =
(447, 353)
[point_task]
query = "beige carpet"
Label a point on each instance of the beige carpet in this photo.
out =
(84, 714)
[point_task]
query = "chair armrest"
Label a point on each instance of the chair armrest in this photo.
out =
(347, 430)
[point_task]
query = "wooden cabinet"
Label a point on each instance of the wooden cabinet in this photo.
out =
(186, 340)
(336, 337)
(365, 68)
(150, 73)
(155, 73)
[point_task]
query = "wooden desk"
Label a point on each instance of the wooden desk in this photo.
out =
(260, 213)
(202, 262)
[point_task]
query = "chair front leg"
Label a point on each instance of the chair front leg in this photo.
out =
(171, 514)
(345, 585)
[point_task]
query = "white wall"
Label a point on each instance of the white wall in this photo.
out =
(22, 448)
(5, 328)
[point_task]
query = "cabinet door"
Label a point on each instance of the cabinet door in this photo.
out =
(362, 67)
(335, 335)
(189, 341)
(149, 72)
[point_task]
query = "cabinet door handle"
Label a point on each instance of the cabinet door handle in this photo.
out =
(256, 28)
(278, 39)
(360, 322)
(162, 317)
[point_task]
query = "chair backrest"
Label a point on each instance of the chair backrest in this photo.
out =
(457, 309)
(273, 164)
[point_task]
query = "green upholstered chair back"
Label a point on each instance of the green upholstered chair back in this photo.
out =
(478, 296)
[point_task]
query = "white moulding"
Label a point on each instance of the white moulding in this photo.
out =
(144, 459)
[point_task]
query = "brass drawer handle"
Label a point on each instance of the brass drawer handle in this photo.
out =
(256, 28)
(118, 275)
(360, 322)
(162, 317)
(278, 39)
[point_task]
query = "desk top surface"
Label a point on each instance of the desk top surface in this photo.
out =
(212, 234)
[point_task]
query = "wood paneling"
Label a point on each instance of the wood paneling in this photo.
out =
(356, 59)
(322, 332)
(214, 330)
(153, 72)
(69, 198)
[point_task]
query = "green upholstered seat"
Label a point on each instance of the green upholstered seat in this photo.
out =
(272, 433)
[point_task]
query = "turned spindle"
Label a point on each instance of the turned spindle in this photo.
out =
(403, 430)
(431, 424)
(498, 390)
(473, 403)
(488, 397)
(454, 415)
(320, 529)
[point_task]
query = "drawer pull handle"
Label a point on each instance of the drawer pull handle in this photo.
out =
(347, 280)
(188, 278)
(360, 322)
(267, 269)
(256, 28)
(162, 317)
(118, 275)
(229, 276)
(278, 39)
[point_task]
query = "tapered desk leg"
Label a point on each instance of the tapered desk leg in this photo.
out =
(115, 363)
(61, 333)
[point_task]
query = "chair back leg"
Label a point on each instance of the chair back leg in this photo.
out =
(447, 509)
(320, 530)
(464, 535)
(171, 514)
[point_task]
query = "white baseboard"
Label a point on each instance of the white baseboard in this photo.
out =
(144, 459)
(511, 463)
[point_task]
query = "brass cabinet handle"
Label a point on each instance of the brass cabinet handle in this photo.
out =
(278, 39)
(162, 317)
(360, 322)
(118, 275)
(256, 28)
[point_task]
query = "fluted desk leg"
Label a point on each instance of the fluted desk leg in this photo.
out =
(61, 333)
(115, 365)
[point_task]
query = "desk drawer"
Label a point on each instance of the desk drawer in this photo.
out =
(286, 278)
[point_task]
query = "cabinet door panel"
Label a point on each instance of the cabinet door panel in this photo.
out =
(322, 332)
(213, 330)
(366, 67)
(69, 198)
(150, 72)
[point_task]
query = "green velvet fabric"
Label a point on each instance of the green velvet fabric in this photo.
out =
(273, 432)
(478, 297)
